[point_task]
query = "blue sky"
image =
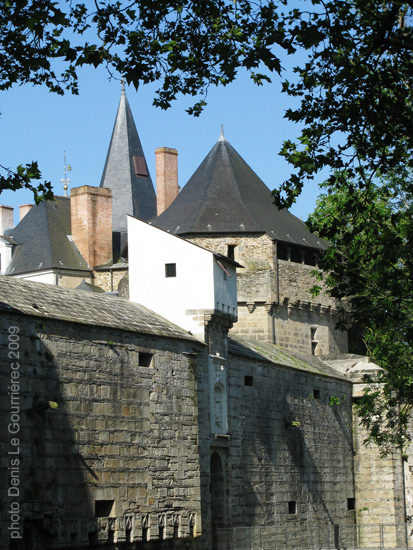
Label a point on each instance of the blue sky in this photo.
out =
(38, 125)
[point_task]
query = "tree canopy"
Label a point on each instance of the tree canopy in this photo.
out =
(354, 86)
(369, 267)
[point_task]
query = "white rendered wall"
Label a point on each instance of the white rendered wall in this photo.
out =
(149, 249)
(5, 255)
(48, 277)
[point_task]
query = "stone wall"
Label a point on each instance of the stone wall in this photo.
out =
(118, 459)
(109, 279)
(251, 249)
(380, 498)
(290, 460)
(295, 281)
(303, 328)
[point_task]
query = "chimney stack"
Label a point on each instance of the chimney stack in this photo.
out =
(166, 177)
(23, 210)
(6, 218)
(91, 219)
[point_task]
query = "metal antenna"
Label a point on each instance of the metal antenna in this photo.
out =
(65, 180)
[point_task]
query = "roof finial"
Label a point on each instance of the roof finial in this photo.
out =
(65, 180)
(222, 138)
(123, 85)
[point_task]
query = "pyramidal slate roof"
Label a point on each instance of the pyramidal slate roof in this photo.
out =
(225, 195)
(43, 242)
(126, 172)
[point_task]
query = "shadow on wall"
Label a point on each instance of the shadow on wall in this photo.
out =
(298, 448)
(46, 482)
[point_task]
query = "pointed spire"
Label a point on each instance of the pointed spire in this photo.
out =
(222, 138)
(126, 172)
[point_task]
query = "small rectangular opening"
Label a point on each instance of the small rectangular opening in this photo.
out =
(170, 270)
(313, 347)
(103, 508)
(139, 165)
(292, 507)
(231, 251)
(351, 503)
(144, 534)
(248, 380)
(161, 532)
(316, 394)
(145, 359)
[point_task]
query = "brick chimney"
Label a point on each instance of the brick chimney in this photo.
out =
(6, 218)
(23, 210)
(166, 177)
(91, 218)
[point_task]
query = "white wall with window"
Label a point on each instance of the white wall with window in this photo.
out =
(176, 278)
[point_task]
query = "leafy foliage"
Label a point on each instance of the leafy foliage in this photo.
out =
(184, 45)
(355, 89)
(355, 85)
(370, 267)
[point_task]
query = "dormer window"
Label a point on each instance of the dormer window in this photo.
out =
(139, 166)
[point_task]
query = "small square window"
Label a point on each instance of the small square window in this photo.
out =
(145, 359)
(316, 394)
(351, 503)
(170, 270)
(103, 508)
(248, 380)
(292, 507)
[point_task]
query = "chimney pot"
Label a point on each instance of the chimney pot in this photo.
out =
(23, 210)
(6, 218)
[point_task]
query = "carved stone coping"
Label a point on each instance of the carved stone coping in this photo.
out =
(226, 320)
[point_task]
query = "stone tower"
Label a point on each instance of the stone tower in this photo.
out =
(225, 207)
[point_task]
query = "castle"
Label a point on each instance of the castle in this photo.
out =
(174, 384)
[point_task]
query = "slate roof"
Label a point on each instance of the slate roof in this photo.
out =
(87, 308)
(264, 351)
(225, 195)
(132, 194)
(43, 242)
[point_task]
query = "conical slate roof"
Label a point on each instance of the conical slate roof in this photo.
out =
(126, 172)
(225, 195)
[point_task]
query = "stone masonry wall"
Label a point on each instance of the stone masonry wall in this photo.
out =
(295, 281)
(302, 329)
(379, 493)
(118, 459)
(296, 466)
(251, 249)
(109, 280)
